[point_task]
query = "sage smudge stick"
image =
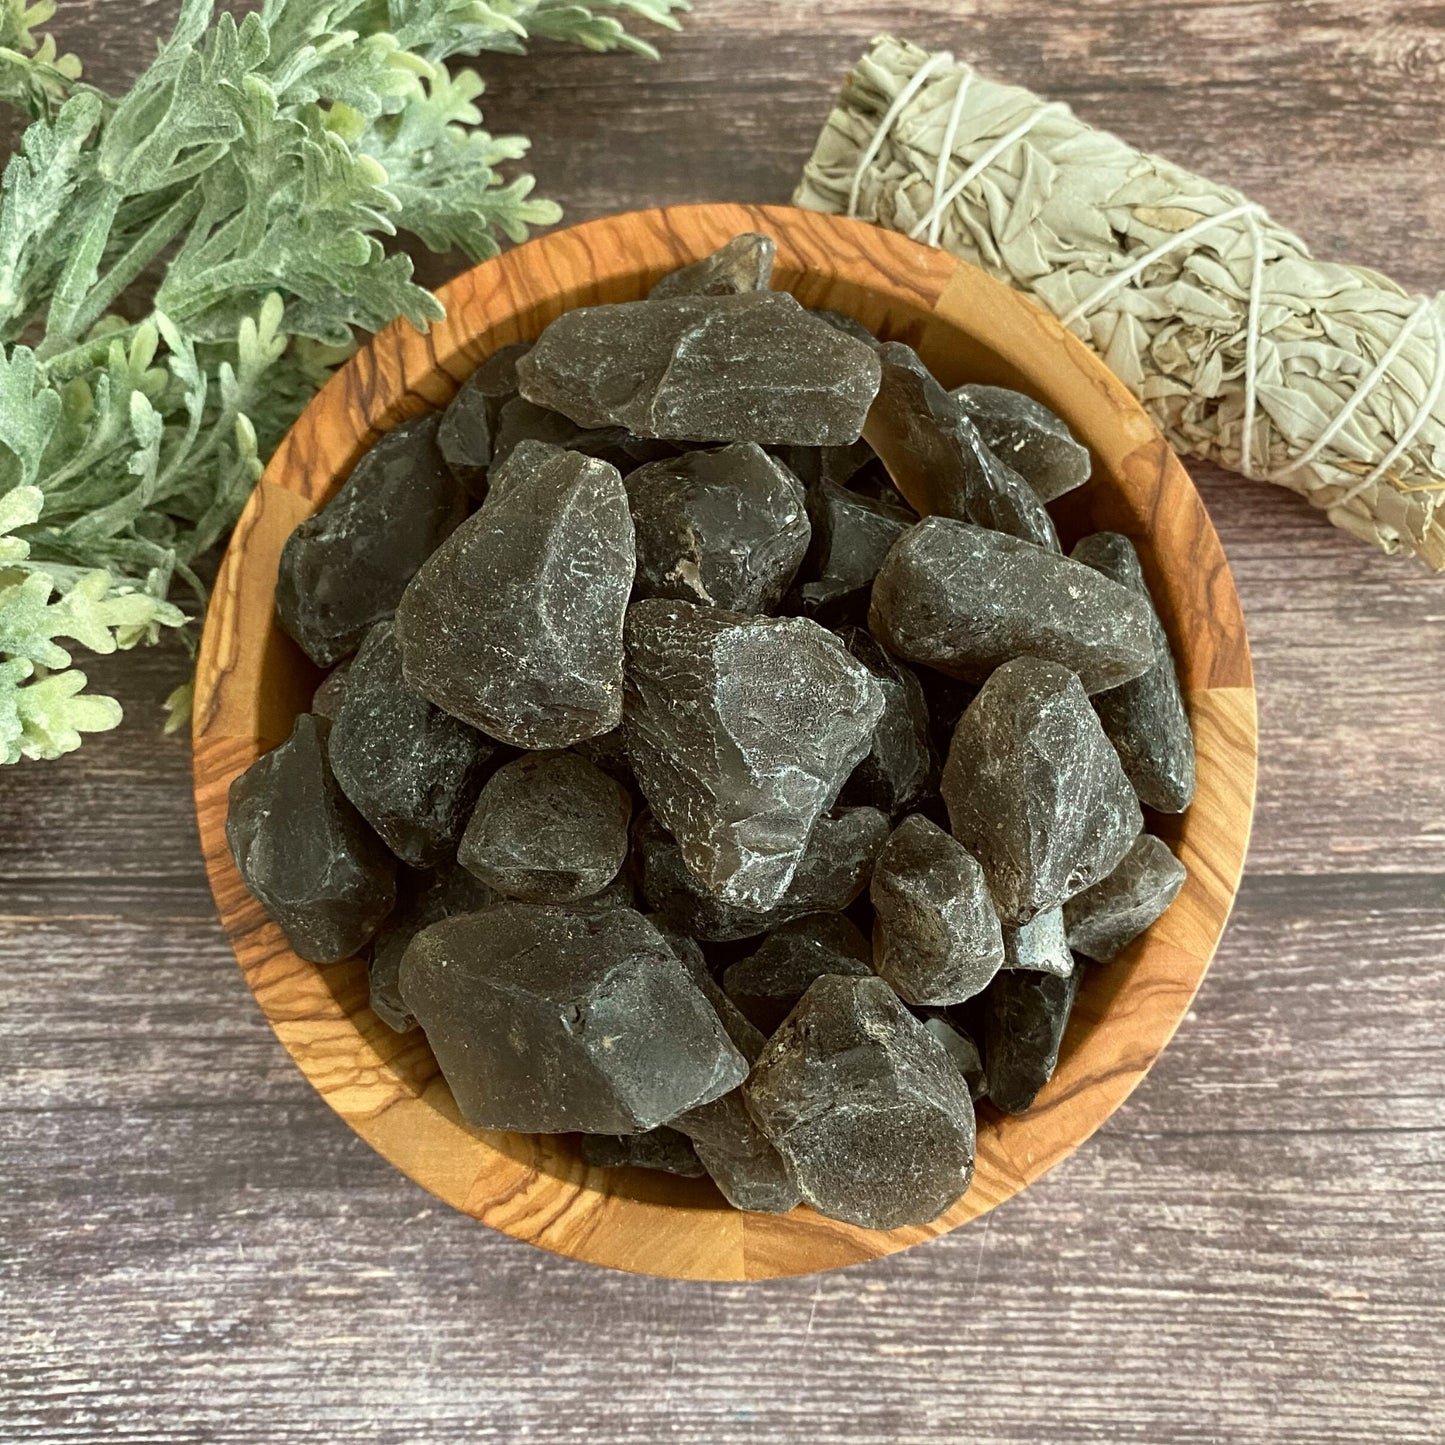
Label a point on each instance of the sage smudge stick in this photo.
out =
(1325, 378)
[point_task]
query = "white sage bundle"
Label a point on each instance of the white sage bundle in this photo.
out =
(1324, 378)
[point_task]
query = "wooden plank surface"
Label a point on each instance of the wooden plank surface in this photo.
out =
(193, 1248)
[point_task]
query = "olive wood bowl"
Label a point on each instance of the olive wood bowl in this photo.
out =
(252, 682)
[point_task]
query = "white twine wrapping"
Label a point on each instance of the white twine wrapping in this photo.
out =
(1324, 378)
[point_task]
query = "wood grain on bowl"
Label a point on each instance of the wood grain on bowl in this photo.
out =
(252, 681)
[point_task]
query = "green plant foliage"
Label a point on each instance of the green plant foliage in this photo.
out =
(242, 188)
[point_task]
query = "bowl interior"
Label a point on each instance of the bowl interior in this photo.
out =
(252, 682)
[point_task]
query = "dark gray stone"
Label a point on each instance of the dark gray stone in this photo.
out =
(846, 324)
(412, 770)
(608, 751)
(1039, 944)
(852, 534)
(515, 624)
(1035, 791)
(1027, 1014)
(662, 1149)
(752, 367)
(812, 465)
(496, 379)
(901, 765)
(744, 264)
(465, 435)
(1028, 437)
(767, 985)
(1146, 719)
(421, 899)
(308, 857)
(834, 870)
(869, 1113)
(959, 1045)
(736, 1153)
(549, 1019)
(938, 935)
(966, 600)
(346, 567)
(726, 528)
(929, 444)
(746, 1038)
(548, 828)
(741, 732)
(1103, 920)
(520, 422)
(330, 692)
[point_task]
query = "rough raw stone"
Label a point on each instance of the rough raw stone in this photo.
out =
(547, 1019)
(520, 421)
(496, 379)
(726, 528)
(902, 764)
(752, 367)
(1027, 1013)
(1102, 921)
(548, 828)
(746, 1038)
(346, 567)
(966, 600)
(330, 692)
(812, 465)
(744, 264)
(935, 451)
(846, 324)
(1146, 719)
(960, 1047)
(620, 893)
(308, 857)
(608, 751)
(938, 939)
(736, 1153)
(834, 870)
(465, 435)
(662, 1149)
(412, 770)
(868, 1111)
(852, 534)
(741, 731)
(1035, 791)
(767, 984)
(1039, 944)
(515, 624)
(421, 899)
(948, 700)
(1028, 437)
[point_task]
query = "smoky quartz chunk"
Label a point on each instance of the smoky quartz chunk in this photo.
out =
(901, 765)
(966, 600)
(959, 1045)
(1035, 791)
(661, 1149)
(1039, 944)
(742, 730)
(1028, 437)
(934, 451)
(412, 770)
(515, 624)
(520, 421)
(851, 537)
(422, 898)
(752, 367)
(938, 934)
(865, 1106)
(767, 985)
(744, 264)
(548, 828)
(725, 528)
(1146, 719)
(832, 873)
(550, 1019)
(1028, 1011)
(346, 567)
(1105, 919)
(308, 857)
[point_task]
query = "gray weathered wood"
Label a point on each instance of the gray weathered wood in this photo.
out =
(194, 1249)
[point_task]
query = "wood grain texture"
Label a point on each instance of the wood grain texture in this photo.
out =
(251, 682)
(1248, 1253)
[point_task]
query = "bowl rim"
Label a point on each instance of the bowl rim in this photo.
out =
(251, 681)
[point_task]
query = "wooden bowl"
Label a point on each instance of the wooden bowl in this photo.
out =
(252, 681)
